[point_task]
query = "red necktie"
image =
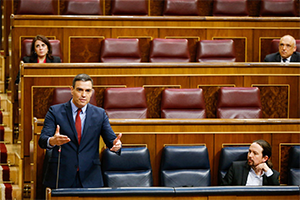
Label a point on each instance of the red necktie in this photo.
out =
(78, 125)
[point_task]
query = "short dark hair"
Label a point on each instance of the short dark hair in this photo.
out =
(82, 77)
(267, 150)
(42, 38)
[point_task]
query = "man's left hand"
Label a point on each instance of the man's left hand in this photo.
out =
(117, 143)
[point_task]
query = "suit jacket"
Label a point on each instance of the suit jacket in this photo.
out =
(238, 174)
(73, 156)
(26, 59)
(56, 59)
(275, 57)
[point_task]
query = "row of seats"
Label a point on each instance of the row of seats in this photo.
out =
(181, 166)
(131, 103)
(161, 50)
(171, 7)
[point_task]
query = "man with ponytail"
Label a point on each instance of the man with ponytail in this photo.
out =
(256, 171)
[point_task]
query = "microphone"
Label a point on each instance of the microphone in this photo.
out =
(58, 166)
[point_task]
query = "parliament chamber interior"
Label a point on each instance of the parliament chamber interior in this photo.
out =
(184, 81)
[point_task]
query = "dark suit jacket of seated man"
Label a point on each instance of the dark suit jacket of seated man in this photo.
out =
(276, 57)
(286, 51)
(257, 170)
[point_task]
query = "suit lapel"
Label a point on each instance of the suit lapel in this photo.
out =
(245, 173)
(88, 117)
(278, 57)
(71, 120)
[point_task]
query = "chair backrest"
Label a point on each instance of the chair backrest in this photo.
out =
(294, 166)
(230, 8)
(182, 103)
(130, 169)
(239, 102)
(120, 50)
(129, 7)
(185, 166)
(26, 48)
(286, 8)
(181, 8)
(275, 45)
(129, 103)
(63, 94)
(215, 51)
(169, 50)
(35, 7)
(227, 156)
(82, 7)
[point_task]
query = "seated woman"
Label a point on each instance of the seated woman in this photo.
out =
(41, 51)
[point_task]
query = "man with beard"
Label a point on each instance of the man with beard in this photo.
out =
(256, 171)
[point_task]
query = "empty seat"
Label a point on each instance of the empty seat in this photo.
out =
(182, 103)
(129, 7)
(181, 8)
(230, 8)
(283, 8)
(63, 94)
(82, 7)
(239, 102)
(215, 51)
(35, 7)
(120, 50)
(130, 169)
(26, 48)
(275, 45)
(227, 156)
(169, 50)
(127, 103)
(185, 166)
(294, 166)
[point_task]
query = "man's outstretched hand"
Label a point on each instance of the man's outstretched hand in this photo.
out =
(117, 143)
(58, 139)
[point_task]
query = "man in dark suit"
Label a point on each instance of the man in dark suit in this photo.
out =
(71, 136)
(287, 51)
(256, 171)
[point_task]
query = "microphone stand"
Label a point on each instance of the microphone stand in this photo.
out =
(58, 165)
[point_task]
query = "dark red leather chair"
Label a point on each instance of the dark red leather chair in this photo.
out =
(125, 103)
(215, 51)
(182, 103)
(83, 7)
(63, 94)
(181, 8)
(275, 45)
(230, 8)
(120, 50)
(129, 7)
(169, 50)
(26, 48)
(239, 102)
(35, 7)
(277, 8)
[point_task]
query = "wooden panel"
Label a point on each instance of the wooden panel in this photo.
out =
(85, 49)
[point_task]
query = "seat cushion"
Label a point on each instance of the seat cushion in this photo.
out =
(215, 51)
(169, 50)
(129, 7)
(125, 103)
(180, 7)
(120, 50)
(35, 7)
(239, 102)
(82, 7)
(183, 103)
(284, 8)
(230, 8)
